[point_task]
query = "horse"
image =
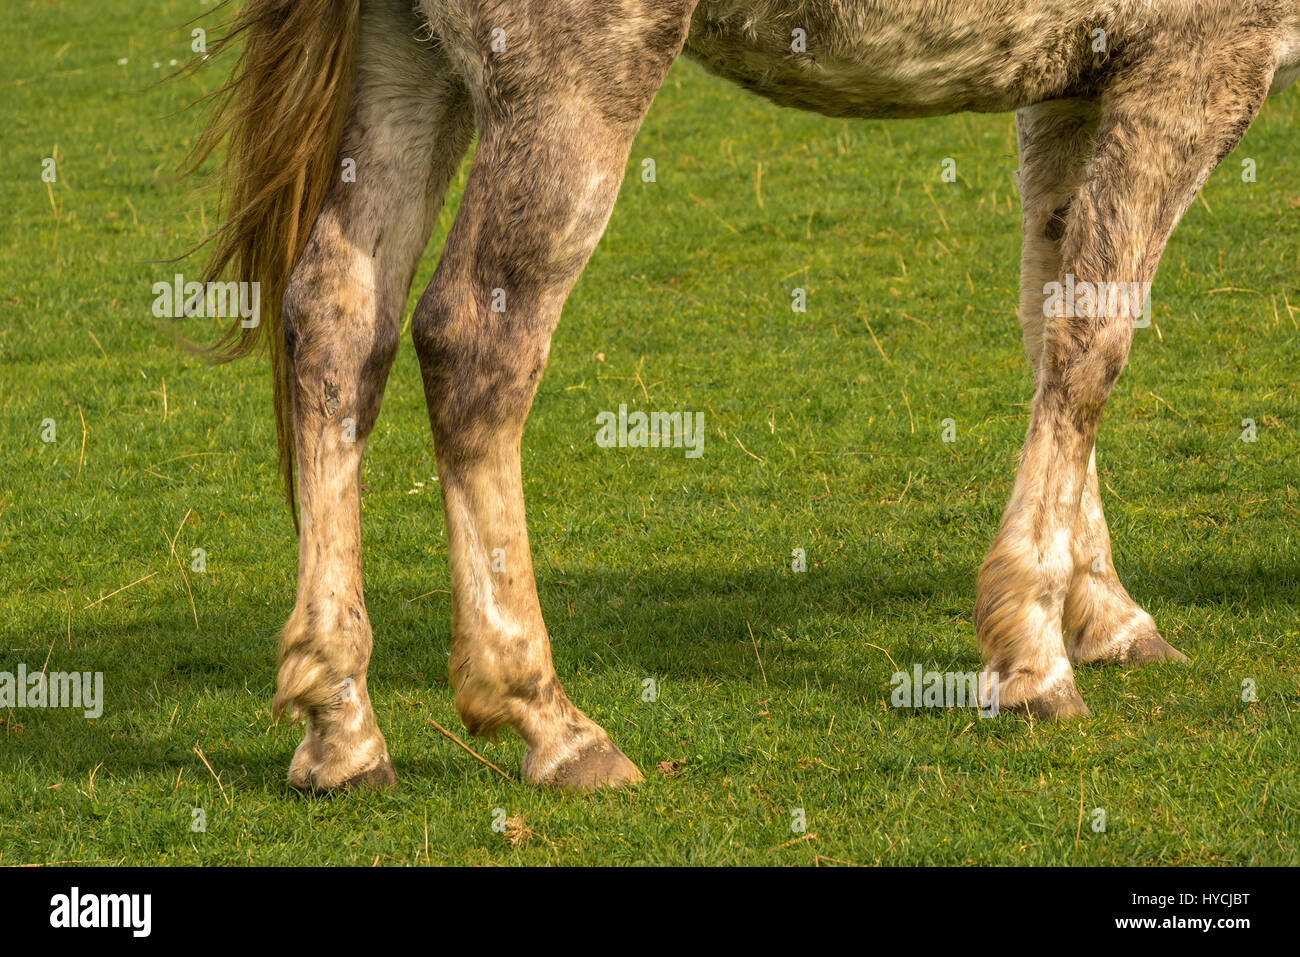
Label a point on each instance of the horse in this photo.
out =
(1123, 109)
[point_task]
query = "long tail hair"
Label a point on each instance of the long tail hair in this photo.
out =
(280, 117)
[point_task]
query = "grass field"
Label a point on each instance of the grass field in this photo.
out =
(823, 432)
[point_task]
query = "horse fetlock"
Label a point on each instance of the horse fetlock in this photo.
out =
(489, 698)
(321, 666)
(483, 712)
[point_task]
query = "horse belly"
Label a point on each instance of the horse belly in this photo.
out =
(898, 59)
(1288, 57)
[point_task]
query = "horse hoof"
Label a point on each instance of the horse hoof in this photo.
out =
(1060, 703)
(598, 765)
(1151, 649)
(380, 775)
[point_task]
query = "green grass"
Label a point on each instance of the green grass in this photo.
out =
(649, 564)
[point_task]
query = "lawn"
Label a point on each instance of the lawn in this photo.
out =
(823, 431)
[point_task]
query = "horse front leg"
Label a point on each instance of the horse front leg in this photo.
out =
(555, 127)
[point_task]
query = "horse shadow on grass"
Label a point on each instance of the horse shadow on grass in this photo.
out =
(700, 624)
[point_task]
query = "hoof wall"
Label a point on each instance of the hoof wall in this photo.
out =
(379, 776)
(1060, 703)
(599, 765)
(1151, 649)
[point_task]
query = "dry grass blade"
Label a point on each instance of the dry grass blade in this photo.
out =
(472, 752)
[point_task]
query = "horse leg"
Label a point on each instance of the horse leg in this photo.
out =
(556, 116)
(408, 126)
(1102, 623)
(1166, 121)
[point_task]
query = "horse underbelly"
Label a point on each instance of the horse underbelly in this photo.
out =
(905, 58)
(1288, 63)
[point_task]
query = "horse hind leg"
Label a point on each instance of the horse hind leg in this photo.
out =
(556, 114)
(407, 131)
(1102, 623)
(1166, 122)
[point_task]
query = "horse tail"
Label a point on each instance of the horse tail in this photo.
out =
(280, 116)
